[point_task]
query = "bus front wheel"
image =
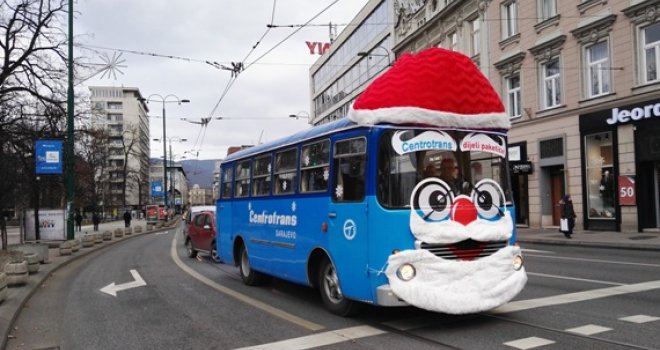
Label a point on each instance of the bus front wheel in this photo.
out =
(333, 299)
(249, 276)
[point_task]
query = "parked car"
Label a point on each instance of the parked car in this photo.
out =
(201, 235)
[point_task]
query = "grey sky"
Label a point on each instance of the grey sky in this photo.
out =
(222, 31)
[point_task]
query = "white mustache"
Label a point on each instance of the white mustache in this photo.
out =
(450, 231)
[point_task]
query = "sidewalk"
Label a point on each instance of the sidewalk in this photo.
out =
(18, 296)
(599, 239)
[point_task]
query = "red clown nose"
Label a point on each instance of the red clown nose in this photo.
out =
(464, 211)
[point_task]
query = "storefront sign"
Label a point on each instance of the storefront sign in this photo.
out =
(627, 190)
(522, 168)
(621, 116)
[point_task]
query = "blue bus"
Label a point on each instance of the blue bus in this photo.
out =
(387, 214)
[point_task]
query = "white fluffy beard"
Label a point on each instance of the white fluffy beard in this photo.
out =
(446, 232)
(454, 286)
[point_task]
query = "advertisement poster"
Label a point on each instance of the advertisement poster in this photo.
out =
(152, 213)
(627, 195)
(49, 156)
(52, 225)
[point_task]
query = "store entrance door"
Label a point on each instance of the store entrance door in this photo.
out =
(556, 192)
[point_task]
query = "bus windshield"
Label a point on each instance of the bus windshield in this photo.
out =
(459, 158)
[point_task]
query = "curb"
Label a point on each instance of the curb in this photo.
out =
(607, 245)
(14, 305)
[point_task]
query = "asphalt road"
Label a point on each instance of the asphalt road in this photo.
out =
(576, 298)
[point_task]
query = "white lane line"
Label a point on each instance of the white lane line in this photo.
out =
(162, 233)
(320, 339)
(242, 297)
(589, 329)
(575, 279)
(524, 250)
(529, 343)
(598, 261)
(576, 297)
(639, 318)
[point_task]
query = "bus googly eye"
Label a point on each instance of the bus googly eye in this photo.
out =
(432, 199)
(488, 197)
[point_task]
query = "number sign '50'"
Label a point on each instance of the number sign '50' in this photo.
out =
(627, 190)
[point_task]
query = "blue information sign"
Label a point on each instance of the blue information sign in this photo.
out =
(157, 189)
(49, 156)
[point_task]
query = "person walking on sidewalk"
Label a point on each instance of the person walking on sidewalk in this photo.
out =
(568, 214)
(96, 219)
(127, 219)
(78, 219)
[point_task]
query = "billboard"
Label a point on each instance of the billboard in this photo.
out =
(52, 223)
(157, 189)
(152, 213)
(48, 156)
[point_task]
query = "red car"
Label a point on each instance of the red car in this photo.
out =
(201, 235)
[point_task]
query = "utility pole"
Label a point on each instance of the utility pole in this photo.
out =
(70, 180)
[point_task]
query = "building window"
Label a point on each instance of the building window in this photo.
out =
(551, 83)
(509, 20)
(513, 95)
(452, 39)
(474, 37)
(598, 74)
(600, 177)
(651, 56)
(547, 9)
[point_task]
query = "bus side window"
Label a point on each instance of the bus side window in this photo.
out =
(285, 171)
(314, 164)
(349, 170)
(226, 182)
(242, 179)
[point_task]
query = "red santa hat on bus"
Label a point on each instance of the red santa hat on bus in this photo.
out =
(436, 86)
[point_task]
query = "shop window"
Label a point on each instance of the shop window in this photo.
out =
(600, 176)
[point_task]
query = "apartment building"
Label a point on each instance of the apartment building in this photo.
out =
(120, 112)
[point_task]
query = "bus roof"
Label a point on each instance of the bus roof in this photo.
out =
(323, 129)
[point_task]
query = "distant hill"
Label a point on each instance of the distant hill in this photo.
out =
(199, 172)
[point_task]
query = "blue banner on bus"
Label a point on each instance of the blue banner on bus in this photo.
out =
(49, 156)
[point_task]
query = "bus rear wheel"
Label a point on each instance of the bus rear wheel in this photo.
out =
(249, 276)
(333, 299)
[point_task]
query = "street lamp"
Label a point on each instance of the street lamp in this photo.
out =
(164, 100)
(300, 114)
(370, 54)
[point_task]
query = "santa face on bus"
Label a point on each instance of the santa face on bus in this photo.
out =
(463, 262)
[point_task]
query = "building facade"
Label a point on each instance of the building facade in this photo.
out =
(578, 79)
(361, 52)
(120, 113)
(178, 194)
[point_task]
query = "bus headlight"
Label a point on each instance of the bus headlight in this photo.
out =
(406, 272)
(517, 262)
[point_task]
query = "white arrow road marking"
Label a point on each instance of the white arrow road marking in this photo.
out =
(162, 233)
(113, 288)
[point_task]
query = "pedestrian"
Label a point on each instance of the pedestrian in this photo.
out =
(78, 220)
(567, 214)
(96, 219)
(127, 219)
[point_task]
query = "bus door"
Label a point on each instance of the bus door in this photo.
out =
(223, 218)
(348, 231)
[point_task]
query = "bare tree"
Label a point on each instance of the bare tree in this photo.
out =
(32, 91)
